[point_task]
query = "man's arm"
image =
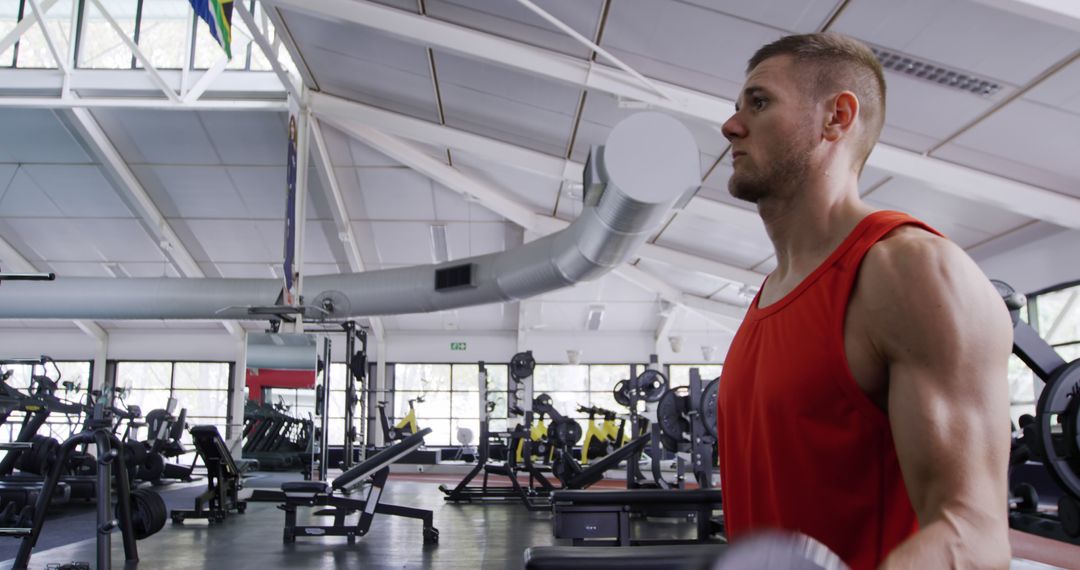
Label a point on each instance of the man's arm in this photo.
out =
(945, 337)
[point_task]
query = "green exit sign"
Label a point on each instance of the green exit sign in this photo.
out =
(457, 346)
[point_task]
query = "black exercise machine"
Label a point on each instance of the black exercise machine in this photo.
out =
(375, 470)
(223, 479)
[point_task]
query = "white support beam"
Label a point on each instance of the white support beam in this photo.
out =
(722, 315)
(1062, 13)
(267, 49)
(701, 264)
(408, 154)
(139, 200)
(351, 117)
(968, 183)
(134, 194)
(667, 320)
(204, 82)
(340, 213)
(25, 24)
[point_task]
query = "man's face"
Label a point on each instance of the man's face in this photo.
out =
(771, 133)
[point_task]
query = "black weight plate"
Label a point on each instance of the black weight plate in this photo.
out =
(567, 432)
(1061, 449)
(650, 385)
(1069, 515)
(671, 413)
(708, 406)
(522, 365)
(620, 393)
(542, 404)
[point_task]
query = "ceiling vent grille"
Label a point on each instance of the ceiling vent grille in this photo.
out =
(906, 64)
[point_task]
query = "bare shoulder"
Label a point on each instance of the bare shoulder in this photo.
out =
(919, 287)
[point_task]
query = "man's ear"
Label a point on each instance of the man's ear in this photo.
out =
(840, 115)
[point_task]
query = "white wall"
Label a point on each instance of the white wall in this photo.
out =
(1039, 264)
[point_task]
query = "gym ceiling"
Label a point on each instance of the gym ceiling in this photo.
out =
(472, 118)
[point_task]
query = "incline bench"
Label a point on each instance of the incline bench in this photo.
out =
(319, 494)
(603, 517)
(223, 479)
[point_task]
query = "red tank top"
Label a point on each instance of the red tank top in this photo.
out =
(802, 448)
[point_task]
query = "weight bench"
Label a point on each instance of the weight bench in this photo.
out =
(602, 557)
(603, 517)
(320, 494)
(223, 479)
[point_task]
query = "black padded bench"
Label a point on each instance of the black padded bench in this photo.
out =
(603, 517)
(375, 469)
(223, 479)
(613, 557)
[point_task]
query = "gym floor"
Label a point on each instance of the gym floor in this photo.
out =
(473, 536)
(489, 536)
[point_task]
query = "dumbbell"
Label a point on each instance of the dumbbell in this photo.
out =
(774, 550)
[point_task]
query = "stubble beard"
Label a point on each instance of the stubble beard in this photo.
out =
(777, 179)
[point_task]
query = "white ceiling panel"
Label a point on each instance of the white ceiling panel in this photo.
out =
(24, 198)
(467, 240)
(451, 206)
(247, 270)
(145, 136)
(249, 138)
(262, 189)
(378, 85)
(683, 44)
(494, 316)
(725, 243)
(507, 120)
(363, 155)
(78, 190)
(609, 287)
(337, 145)
(392, 194)
(1049, 142)
(539, 192)
(321, 269)
(801, 16)
(35, 135)
(1061, 90)
(157, 269)
(569, 316)
(238, 241)
(963, 221)
(192, 191)
(905, 139)
(317, 246)
(79, 269)
(118, 239)
(55, 239)
(403, 243)
(683, 278)
(513, 21)
(967, 35)
(908, 111)
(356, 42)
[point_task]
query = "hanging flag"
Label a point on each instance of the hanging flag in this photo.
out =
(218, 15)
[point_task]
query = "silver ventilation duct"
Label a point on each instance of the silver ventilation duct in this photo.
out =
(649, 161)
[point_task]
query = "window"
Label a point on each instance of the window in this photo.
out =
(100, 47)
(679, 374)
(163, 33)
(9, 18)
(451, 397)
(200, 387)
(59, 426)
(33, 51)
(1055, 315)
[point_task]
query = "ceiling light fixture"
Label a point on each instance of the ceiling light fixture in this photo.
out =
(909, 65)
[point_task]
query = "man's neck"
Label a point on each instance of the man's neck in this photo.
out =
(809, 225)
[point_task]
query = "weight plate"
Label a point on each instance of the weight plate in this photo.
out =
(522, 365)
(708, 406)
(542, 404)
(1061, 448)
(1013, 301)
(621, 393)
(672, 413)
(567, 433)
(650, 385)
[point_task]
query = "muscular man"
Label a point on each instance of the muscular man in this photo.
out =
(864, 397)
